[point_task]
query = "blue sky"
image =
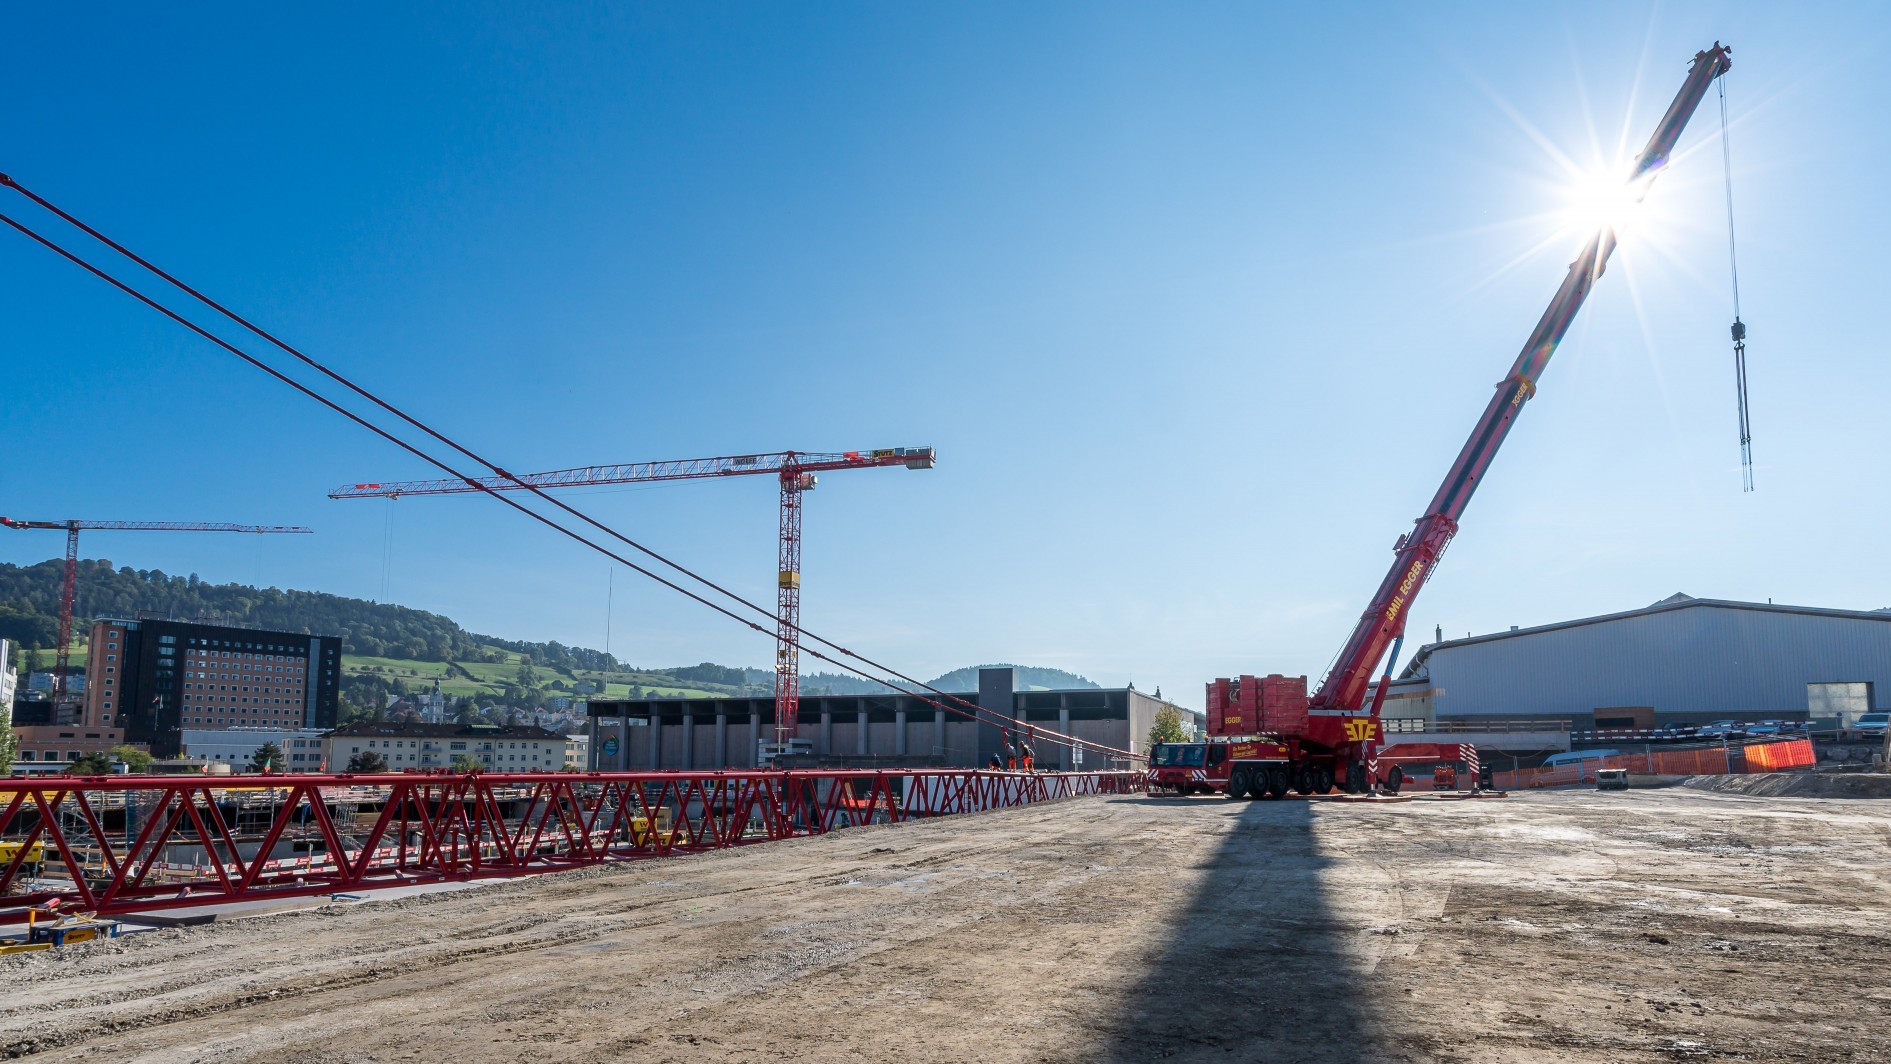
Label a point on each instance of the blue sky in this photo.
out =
(1196, 302)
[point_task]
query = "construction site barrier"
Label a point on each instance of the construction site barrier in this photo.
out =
(1701, 761)
(124, 844)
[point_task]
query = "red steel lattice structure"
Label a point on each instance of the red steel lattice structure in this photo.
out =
(122, 844)
(71, 529)
(796, 471)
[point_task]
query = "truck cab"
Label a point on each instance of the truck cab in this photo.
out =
(1189, 768)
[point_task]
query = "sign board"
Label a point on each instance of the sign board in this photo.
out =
(1076, 756)
(610, 747)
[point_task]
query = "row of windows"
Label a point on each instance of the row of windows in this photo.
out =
(239, 646)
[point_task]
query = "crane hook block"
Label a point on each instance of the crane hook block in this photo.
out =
(1739, 330)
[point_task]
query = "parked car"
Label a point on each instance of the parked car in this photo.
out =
(1871, 723)
(1764, 727)
(1722, 729)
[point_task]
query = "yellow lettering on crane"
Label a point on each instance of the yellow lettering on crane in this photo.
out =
(1359, 730)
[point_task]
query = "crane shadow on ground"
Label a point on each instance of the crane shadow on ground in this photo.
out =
(1259, 964)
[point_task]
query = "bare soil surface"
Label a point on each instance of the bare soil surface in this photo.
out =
(1556, 926)
(1798, 784)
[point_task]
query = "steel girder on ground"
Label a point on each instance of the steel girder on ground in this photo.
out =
(120, 844)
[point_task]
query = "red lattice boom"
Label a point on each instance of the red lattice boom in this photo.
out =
(139, 843)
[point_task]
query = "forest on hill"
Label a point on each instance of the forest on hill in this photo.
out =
(29, 612)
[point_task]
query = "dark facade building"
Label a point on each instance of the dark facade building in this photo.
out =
(151, 679)
(713, 733)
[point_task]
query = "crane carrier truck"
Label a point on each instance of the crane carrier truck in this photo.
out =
(1265, 735)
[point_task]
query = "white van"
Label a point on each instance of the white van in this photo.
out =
(1577, 757)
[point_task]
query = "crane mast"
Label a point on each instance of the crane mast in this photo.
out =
(1416, 553)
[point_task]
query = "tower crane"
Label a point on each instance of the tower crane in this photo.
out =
(795, 470)
(1279, 739)
(71, 528)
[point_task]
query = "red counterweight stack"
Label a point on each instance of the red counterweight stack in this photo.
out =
(1283, 705)
(1267, 705)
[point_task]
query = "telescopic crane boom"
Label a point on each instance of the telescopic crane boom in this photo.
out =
(1418, 551)
(1278, 738)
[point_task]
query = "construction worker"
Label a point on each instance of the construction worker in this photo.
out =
(1011, 754)
(1027, 754)
(997, 762)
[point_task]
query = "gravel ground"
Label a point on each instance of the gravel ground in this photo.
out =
(1556, 926)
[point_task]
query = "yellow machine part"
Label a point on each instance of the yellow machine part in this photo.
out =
(34, 855)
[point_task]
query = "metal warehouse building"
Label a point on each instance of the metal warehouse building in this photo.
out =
(1681, 660)
(712, 733)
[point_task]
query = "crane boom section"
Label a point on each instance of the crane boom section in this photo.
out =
(1417, 553)
(643, 472)
(150, 526)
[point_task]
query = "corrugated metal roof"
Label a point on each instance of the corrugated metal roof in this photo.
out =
(1680, 656)
(1676, 601)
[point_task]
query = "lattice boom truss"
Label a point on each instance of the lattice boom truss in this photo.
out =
(133, 844)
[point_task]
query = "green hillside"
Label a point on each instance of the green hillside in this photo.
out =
(387, 649)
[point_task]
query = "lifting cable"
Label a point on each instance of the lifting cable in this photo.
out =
(972, 710)
(1739, 327)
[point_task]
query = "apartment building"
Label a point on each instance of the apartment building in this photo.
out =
(418, 746)
(152, 679)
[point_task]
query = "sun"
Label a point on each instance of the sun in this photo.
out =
(1603, 198)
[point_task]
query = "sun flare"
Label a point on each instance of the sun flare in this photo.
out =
(1603, 198)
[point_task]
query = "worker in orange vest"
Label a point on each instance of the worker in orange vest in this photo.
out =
(1011, 754)
(1027, 754)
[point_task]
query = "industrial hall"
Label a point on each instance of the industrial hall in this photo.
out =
(870, 730)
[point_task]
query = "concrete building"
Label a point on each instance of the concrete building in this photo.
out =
(303, 749)
(153, 679)
(710, 733)
(46, 680)
(1681, 660)
(417, 745)
(62, 742)
(9, 682)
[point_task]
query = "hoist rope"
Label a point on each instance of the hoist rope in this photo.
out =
(1739, 327)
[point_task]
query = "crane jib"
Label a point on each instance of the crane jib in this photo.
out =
(1347, 683)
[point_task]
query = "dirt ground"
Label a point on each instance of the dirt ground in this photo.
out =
(1571, 926)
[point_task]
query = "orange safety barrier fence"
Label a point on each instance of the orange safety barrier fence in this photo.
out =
(1703, 761)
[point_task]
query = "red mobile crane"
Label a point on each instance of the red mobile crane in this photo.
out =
(1272, 737)
(72, 528)
(796, 471)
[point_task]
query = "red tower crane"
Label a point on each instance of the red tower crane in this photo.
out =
(72, 528)
(796, 471)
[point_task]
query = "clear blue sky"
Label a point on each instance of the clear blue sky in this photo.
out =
(1196, 301)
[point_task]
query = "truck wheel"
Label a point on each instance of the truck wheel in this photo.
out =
(1277, 781)
(1355, 777)
(1322, 779)
(1303, 779)
(1238, 783)
(1394, 780)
